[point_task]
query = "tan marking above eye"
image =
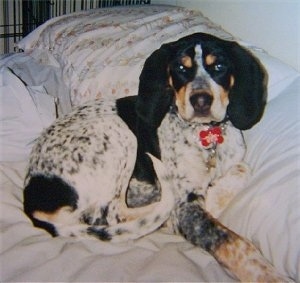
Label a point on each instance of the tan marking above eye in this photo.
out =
(210, 59)
(187, 61)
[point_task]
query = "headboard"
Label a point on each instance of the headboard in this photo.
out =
(20, 17)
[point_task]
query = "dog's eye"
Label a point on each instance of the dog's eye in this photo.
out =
(218, 67)
(182, 68)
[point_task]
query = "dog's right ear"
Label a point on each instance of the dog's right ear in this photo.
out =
(155, 94)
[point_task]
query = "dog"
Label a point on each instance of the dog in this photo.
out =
(172, 155)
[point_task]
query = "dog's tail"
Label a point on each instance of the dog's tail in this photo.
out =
(141, 221)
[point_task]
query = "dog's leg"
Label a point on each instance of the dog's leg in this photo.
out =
(238, 255)
(225, 188)
(142, 220)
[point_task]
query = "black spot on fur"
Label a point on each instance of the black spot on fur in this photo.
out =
(104, 211)
(142, 222)
(86, 218)
(105, 146)
(103, 219)
(101, 233)
(118, 218)
(80, 158)
(157, 218)
(72, 171)
(192, 197)
(120, 231)
(47, 194)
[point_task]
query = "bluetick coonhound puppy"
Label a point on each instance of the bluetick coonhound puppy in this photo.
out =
(90, 173)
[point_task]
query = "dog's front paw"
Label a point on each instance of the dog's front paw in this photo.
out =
(225, 188)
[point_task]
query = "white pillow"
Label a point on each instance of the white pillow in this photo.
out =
(25, 111)
(268, 211)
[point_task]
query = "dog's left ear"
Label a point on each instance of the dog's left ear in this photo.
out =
(248, 96)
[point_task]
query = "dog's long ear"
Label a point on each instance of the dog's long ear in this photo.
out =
(155, 93)
(247, 98)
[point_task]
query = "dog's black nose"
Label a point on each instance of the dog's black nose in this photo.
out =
(201, 103)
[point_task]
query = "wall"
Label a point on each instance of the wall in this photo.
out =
(273, 25)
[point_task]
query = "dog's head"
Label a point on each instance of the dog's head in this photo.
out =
(207, 80)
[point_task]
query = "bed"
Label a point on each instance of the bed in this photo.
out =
(99, 53)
